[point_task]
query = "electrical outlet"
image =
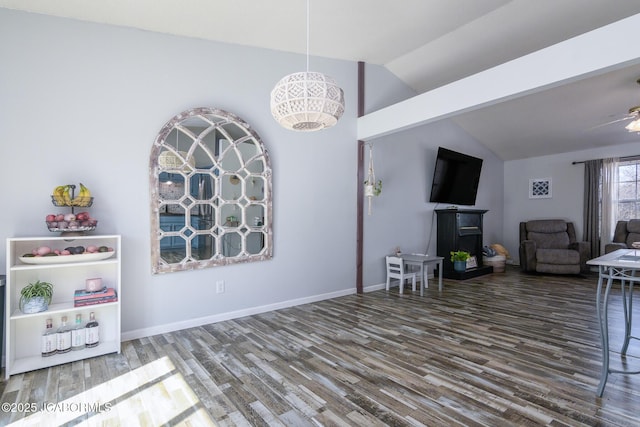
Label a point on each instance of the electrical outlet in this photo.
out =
(220, 286)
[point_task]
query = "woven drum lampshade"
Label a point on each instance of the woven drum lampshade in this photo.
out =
(307, 101)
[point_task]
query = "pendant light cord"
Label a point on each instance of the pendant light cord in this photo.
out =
(307, 101)
(308, 36)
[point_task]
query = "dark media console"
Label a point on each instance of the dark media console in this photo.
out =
(460, 230)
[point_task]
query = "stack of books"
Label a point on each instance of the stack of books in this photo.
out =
(81, 297)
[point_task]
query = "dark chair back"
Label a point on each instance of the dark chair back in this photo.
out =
(548, 233)
(627, 232)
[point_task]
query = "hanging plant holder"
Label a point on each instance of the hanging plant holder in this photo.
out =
(368, 190)
(372, 188)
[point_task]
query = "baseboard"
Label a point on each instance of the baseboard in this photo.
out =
(191, 323)
(373, 288)
(394, 284)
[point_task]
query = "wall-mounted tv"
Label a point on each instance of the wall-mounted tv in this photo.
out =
(455, 178)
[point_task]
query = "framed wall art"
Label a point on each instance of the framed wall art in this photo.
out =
(540, 188)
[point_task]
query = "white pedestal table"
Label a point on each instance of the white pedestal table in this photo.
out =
(621, 265)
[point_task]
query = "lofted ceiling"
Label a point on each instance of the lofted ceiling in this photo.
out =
(426, 43)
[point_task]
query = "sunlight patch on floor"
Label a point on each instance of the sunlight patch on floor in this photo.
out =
(154, 394)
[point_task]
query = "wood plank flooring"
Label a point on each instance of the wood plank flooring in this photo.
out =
(498, 350)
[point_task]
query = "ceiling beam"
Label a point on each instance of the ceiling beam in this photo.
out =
(595, 52)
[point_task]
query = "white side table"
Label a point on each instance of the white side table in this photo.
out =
(421, 261)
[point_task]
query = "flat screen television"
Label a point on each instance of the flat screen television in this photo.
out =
(455, 178)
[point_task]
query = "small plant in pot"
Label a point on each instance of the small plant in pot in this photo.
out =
(459, 259)
(36, 297)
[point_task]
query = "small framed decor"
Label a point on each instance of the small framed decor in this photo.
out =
(472, 262)
(540, 188)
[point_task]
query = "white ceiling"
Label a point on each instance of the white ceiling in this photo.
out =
(426, 43)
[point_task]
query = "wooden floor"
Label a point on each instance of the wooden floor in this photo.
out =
(499, 350)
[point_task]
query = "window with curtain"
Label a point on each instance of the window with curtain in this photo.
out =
(612, 193)
(628, 187)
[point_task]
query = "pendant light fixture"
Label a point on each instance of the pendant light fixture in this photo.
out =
(307, 101)
(634, 113)
(634, 126)
(169, 160)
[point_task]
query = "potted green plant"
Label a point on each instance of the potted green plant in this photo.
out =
(36, 297)
(459, 259)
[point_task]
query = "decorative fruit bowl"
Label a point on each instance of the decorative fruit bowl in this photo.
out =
(54, 227)
(81, 202)
(71, 222)
(64, 195)
(61, 259)
(47, 255)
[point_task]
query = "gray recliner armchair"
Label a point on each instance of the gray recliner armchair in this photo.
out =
(550, 246)
(625, 234)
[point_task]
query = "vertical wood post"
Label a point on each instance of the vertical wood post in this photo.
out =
(360, 188)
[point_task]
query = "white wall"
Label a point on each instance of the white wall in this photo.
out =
(402, 215)
(383, 89)
(83, 102)
(567, 189)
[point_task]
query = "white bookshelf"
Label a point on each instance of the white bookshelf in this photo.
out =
(24, 331)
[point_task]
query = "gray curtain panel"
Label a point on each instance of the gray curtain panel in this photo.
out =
(591, 213)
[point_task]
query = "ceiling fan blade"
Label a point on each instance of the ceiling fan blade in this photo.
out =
(626, 117)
